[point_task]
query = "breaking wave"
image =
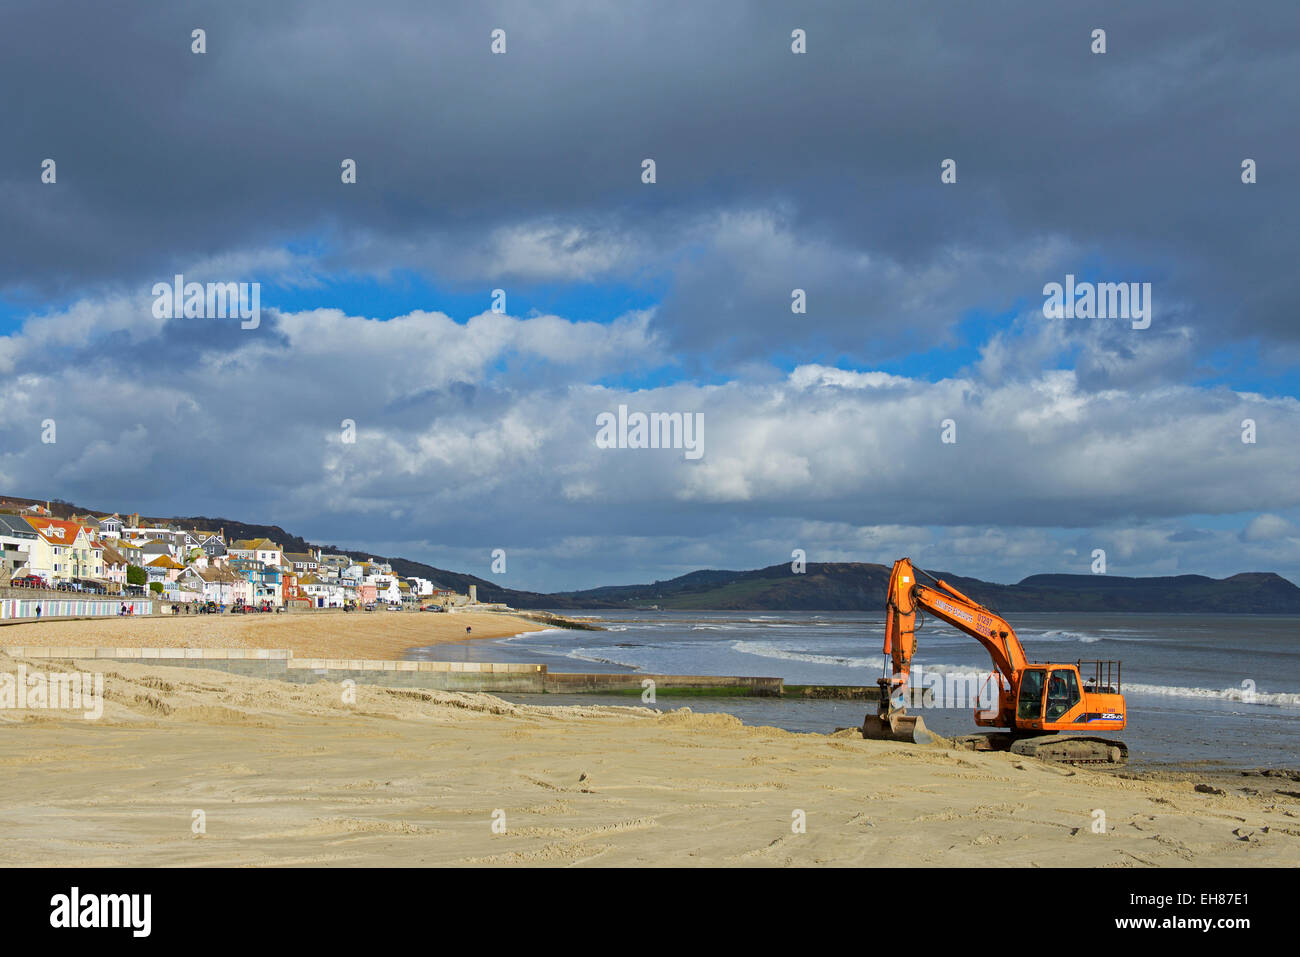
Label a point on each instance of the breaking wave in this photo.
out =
(763, 650)
(536, 634)
(1064, 636)
(1277, 699)
(594, 655)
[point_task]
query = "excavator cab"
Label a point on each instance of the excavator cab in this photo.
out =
(1062, 693)
(1047, 695)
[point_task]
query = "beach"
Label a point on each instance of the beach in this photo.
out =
(190, 767)
(317, 634)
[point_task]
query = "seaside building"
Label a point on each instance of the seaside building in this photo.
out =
(303, 562)
(65, 552)
(163, 569)
(223, 586)
(213, 544)
(111, 527)
(16, 538)
(115, 566)
(422, 587)
(264, 580)
(257, 549)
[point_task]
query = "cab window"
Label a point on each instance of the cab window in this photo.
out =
(1062, 693)
(1030, 703)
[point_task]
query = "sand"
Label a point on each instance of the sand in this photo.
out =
(284, 774)
(324, 634)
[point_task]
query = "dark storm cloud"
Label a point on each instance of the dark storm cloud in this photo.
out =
(1127, 161)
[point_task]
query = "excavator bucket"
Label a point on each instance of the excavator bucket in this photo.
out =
(897, 727)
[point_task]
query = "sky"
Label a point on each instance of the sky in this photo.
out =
(923, 404)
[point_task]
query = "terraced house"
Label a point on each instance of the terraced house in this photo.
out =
(115, 565)
(264, 580)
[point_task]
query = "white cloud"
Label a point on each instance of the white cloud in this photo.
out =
(847, 462)
(1268, 528)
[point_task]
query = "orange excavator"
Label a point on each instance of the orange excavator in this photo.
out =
(1042, 706)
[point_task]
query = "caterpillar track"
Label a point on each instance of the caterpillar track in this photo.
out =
(1059, 748)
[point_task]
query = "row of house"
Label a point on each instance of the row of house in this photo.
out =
(186, 564)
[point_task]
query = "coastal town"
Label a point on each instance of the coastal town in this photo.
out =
(116, 557)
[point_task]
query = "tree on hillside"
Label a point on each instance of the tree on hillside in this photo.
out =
(135, 575)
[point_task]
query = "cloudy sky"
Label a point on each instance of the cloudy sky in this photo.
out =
(775, 171)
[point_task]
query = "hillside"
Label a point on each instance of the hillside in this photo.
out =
(829, 586)
(857, 586)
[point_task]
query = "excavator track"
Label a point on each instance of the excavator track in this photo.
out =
(1058, 748)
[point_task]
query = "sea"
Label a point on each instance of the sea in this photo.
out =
(1210, 690)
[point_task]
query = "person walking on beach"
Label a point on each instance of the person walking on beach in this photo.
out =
(38, 611)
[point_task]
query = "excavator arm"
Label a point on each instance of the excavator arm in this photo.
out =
(904, 596)
(946, 603)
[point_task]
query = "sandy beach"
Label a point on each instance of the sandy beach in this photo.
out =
(330, 634)
(282, 774)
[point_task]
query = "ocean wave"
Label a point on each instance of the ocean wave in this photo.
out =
(1065, 636)
(590, 654)
(1277, 699)
(536, 634)
(770, 651)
